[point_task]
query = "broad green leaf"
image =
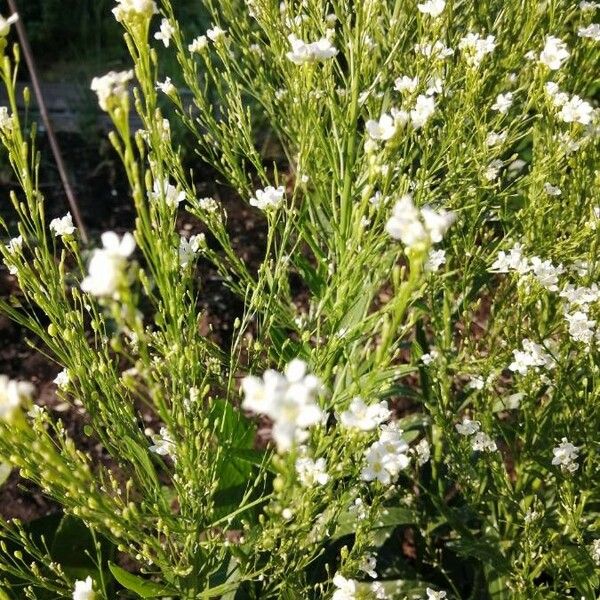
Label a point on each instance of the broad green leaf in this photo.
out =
(142, 587)
(388, 517)
(73, 544)
(583, 570)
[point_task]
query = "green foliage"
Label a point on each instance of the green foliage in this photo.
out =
(482, 482)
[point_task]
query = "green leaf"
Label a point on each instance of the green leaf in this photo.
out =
(258, 458)
(142, 587)
(73, 544)
(583, 570)
(388, 517)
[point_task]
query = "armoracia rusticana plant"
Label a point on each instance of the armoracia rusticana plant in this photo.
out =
(420, 338)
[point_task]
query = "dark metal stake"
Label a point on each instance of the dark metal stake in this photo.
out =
(37, 90)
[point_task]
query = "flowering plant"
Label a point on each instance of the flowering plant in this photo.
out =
(418, 340)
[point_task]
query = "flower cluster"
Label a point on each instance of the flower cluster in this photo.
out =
(269, 198)
(106, 269)
(126, 10)
(554, 54)
(165, 191)
(532, 356)
(418, 229)
(571, 109)
(112, 88)
(62, 226)
(290, 400)
(311, 472)
(565, 456)
(84, 590)
(303, 52)
(480, 441)
(475, 47)
(386, 457)
(13, 394)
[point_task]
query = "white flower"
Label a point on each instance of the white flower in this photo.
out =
(15, 245)
(188, 249)
(586, 5)
(62, 379)
(554, 54)
(495, 139)
(365, 417)
(415, 228)
(595, 551)
(386, 457)
(198, 44)
(476, 47)
(323, 49)
(216, 34)
(552, 190)
(546, 273)
(468, 427)
(437, 222)
(557, 97)
(492, 171)
(62, 226)
(377, 465)
(163, 443)
(166, 32)
(312, 472)
(12, 395)
(208, 204)
(423, 452)
(482, 442)
(406, 84)
(581, 296)
(565, 456)
(429, 357)
(433, 8)
(107, 265)
(165, 191)
(581, 329)
(476, 383)
(368, 565)
(433, 595)
(422, 112)
(435, 260)
(513, 261)
(129, 9)
(384, 129)
(378, 590)
(592, 31)
(6, 23)
(576, 110)
(166, 87)
(532, 356)
(303, 52)
(290, 400)
(268, 198)
(435, 86)
(6, 121)
(84, 590)
(111, 88)
(438, 50)
(503, 102)
(346, 589)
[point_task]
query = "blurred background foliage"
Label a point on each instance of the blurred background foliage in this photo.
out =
(82, 37)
